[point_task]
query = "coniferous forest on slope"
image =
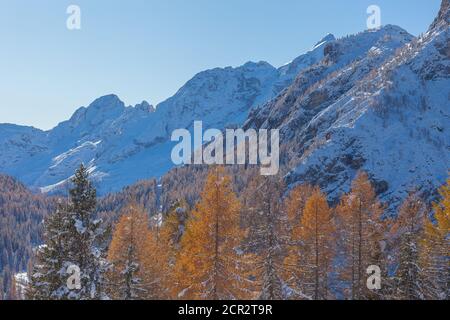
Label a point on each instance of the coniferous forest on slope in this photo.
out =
(263, 242)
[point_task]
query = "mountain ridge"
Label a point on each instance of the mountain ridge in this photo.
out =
(123, 144)
(390, 120)
(107, 133)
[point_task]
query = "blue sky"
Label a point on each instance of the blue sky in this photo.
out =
(147, 49)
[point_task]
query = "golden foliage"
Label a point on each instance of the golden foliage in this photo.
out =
(309, 259)
(362, 234)
(135, 257)
(209, 263)
(434, 249)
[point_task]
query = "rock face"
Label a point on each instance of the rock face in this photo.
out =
(387, 113)
(443, 17)
(122, 145)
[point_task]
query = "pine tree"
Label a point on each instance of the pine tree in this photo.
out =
(362, 233)
(209, 263)
(47, 281)
(128, 276)
(434, 250)
(86, 238)
(73, 239)
(407, 231)
(309, 260)
(267, 233)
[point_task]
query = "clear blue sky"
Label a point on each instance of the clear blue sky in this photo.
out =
(147, 49)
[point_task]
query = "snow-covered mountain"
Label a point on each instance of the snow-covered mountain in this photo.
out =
(387, 112)
(375, 101)
(123, 144)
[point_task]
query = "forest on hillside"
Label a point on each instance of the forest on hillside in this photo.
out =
(21, 214)
(246, 238)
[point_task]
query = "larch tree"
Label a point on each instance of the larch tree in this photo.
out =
(128, 276)
(295, 205)
(13, 291)
(434, 249)
(266, 219)
(170, 235)
(158, 273)
(362, 236)
(209, 264)
(406, 233)
(310, 258)
(296, 202)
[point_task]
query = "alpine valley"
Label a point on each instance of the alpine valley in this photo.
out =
(377, 101)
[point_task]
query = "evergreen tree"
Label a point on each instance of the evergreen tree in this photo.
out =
(73, 238)
(87, 238)
(48, 280)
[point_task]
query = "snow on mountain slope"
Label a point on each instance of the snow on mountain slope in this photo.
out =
(16, 140)
(346, 52)
(122, 145)
(388, 118)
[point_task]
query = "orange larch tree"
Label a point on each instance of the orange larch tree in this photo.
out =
(310, 256)
(295, 205)
(362, 236)
(266, 218)
(296, 202)
(435, 249)
(168, 243)
(209, 264)
(129, 278)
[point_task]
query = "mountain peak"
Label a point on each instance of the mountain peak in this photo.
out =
(327, 38)
(443, 15)
(252, 64)
(392, 27)
(109, 101)
(145, 106)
